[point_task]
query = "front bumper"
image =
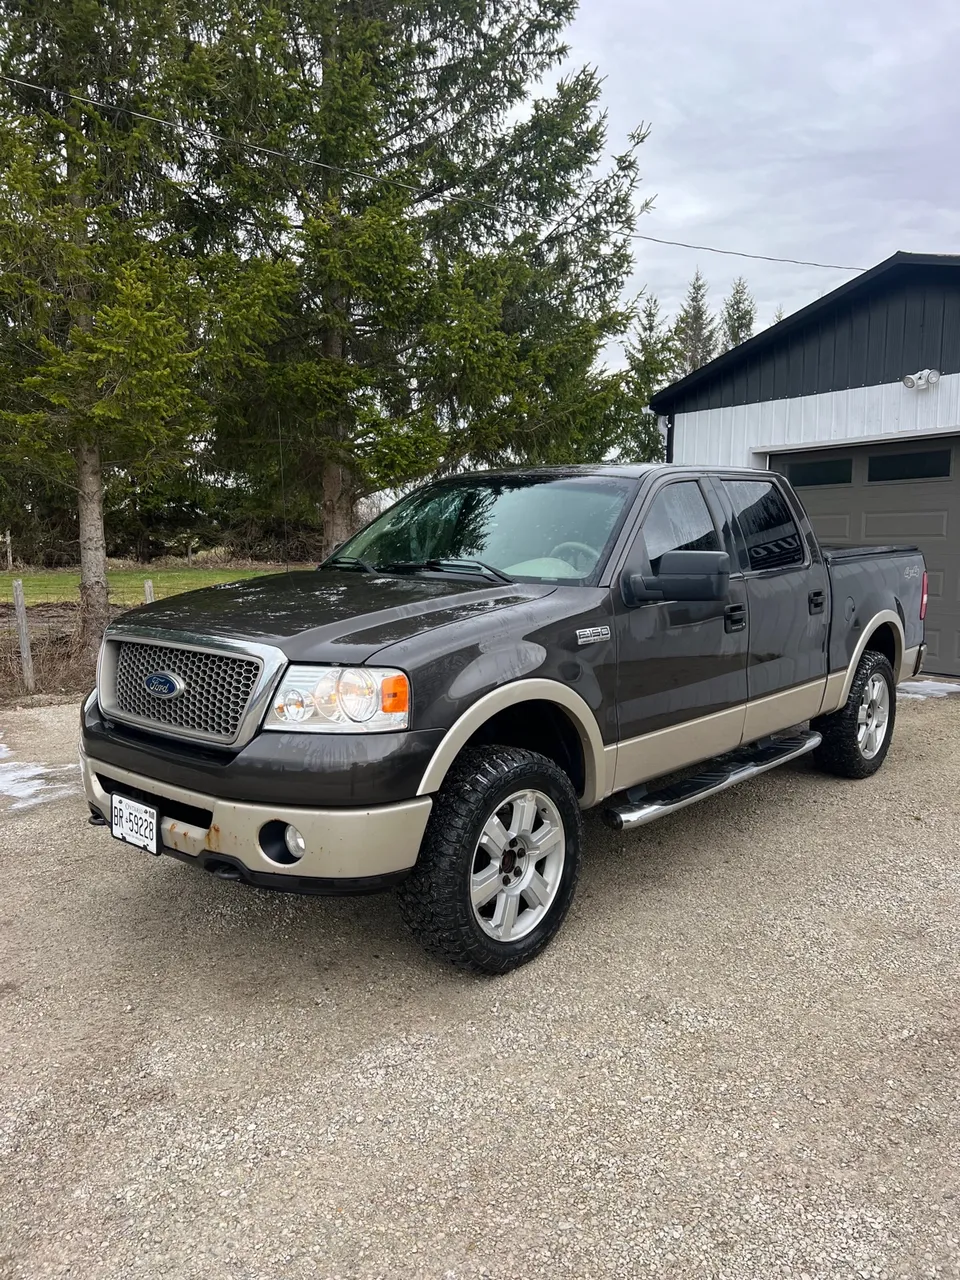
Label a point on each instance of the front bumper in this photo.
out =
(352, 850)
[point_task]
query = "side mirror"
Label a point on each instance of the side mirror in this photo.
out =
(684, 575)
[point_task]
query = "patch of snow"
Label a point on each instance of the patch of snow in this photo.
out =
(928, 688)
(32, 784)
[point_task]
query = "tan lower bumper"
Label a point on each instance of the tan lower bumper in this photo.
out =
(341, 843)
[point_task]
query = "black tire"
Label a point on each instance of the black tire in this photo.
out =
(840, 751)
(435, 899)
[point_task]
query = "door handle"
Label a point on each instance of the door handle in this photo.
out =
(735, 617)
(816, 601)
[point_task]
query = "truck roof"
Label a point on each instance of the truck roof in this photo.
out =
(628, 470)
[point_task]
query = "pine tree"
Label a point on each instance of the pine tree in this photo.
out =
(695, 329)
(95, 350)
(653, 362)
(738, 316)
(778, 315)
(453, 306)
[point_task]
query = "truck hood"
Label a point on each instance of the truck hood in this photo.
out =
(328, 615)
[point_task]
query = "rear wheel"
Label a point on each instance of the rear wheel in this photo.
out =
(856, 738)
(499, 862)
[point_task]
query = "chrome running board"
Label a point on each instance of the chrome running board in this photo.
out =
(734, 768)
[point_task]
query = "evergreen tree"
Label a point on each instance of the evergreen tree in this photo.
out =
(695, 329)
(453, 306)
(363, 252)
(778, 315)
(652, 363)
(95, 349)
(738, 316)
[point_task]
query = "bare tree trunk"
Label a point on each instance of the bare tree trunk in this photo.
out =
(336, 507)
(94, 608)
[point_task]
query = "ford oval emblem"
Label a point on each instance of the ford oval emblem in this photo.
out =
(163, 684)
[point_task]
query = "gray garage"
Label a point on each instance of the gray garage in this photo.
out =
(904, 492)
(857, 399)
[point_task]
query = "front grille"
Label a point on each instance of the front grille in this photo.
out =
(217, 689)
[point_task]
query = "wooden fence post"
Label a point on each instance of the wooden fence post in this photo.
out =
(148, 590)
(9, 553)
(23, 635)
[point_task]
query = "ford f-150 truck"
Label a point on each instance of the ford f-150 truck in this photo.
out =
(436, 704)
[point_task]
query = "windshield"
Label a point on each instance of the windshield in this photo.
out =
(539, 528)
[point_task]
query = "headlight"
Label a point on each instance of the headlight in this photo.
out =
(341, 700)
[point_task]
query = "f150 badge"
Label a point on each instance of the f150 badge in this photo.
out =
(593, 635)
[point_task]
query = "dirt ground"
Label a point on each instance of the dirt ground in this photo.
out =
(739, 1060)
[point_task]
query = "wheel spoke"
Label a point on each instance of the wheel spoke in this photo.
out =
(524, 814)
(862, 713)
(485, 885)
(545, 841)
(538, 893)
(495, 835)
(505, 915)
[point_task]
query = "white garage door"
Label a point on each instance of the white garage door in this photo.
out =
(907, 492)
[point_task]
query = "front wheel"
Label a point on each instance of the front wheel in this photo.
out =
(856, 738)
(499, 862)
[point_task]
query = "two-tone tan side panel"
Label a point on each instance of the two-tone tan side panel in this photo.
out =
(676, 747)
(510, 695)
(837, 690)
(781, 710)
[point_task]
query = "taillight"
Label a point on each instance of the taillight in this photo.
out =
(923, 597)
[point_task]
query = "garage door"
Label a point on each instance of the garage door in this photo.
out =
(908, 492)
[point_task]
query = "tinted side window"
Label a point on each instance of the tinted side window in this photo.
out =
(826, 471)
(770, 531)
(926, 465)
(679, 520)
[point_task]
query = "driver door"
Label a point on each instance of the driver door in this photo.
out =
(682, 665)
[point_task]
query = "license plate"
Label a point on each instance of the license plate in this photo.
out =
(134, 823)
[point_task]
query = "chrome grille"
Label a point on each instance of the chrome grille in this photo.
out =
(217, 689)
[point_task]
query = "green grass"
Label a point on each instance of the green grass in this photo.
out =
(62, 586)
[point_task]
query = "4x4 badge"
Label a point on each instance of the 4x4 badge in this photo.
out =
(593, 635)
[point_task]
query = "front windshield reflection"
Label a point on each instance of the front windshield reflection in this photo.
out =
(532, 528)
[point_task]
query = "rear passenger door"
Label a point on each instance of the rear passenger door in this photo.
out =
(788, 603)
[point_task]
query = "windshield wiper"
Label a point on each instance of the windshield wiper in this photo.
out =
(349, 562)
(452, 565)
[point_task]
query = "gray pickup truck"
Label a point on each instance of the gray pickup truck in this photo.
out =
(434, 706)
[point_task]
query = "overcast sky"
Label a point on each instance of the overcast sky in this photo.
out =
(809, 130)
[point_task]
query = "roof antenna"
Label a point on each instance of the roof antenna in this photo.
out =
(283, 496)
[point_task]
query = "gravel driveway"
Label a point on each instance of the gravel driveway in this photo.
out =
(739, 1059)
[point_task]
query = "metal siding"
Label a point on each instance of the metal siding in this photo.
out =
(734, 435)
(950, 338)
(841, 352)
(913, 337)
(781, 373)
(933, 308)
(894, 329)
(892, 355)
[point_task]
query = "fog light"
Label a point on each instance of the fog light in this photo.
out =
(296, 845)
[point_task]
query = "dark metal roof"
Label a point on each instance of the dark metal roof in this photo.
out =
(829, 345)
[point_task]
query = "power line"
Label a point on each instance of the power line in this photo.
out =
(250, 146)
(738, 253)
(394, 182)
